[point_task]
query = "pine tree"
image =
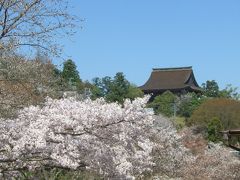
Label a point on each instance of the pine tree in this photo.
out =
(70, 74)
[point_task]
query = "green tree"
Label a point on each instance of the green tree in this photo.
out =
(230, 92)
(118, 89)
(164, 104)
(134, 92)
(188, 104)
(211, 89)
(101, 87)
(71, 76)
(115, 90)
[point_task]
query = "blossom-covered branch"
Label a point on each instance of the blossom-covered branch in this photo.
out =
(69, 133)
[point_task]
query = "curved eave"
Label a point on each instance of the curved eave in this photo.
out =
(194, 80)
(188, 88)
(143, 86)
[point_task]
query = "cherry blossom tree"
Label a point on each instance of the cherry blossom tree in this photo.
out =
(116, 141)
(107, 138)
(34, 23)
(24, 83)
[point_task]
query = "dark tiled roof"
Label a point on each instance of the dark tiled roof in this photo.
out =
(171, 79)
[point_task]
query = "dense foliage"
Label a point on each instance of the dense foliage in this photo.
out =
(118, 89)
(212, 110)
(188, 103)
(115, 90)
(211, 89)
(213, 128)
(164, 104)
(226, 110)
(70, 73)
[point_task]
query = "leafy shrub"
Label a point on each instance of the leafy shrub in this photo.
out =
(134, 92)
(188, 103)
(226, 110)
(213, 128)
(164, 104)
(179, 122)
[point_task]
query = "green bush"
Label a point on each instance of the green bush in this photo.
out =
(213, 128)
(179, 122)
(226, 110)
(134, 92)
(188, 103)
(164, 104)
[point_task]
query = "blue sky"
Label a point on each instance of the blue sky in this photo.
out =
(134, 36)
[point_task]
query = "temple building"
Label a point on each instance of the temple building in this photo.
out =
(178, 80)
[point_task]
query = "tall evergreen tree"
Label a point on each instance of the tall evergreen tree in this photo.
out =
(118, 88)
(70, 74)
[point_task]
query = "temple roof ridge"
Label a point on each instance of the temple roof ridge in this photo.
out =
(173, 68)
